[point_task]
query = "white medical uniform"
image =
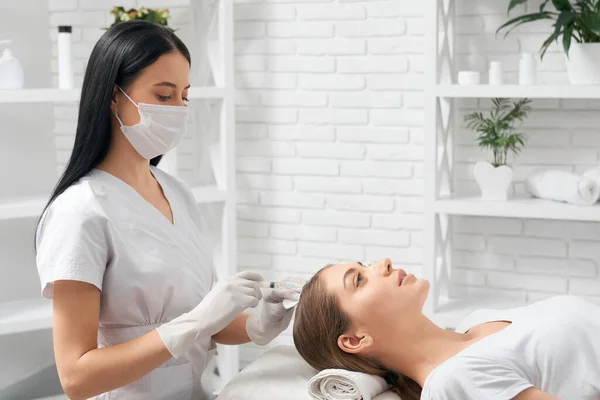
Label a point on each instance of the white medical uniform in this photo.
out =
(552, 345)
(149, 271)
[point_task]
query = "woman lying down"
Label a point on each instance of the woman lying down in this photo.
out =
(370, 319)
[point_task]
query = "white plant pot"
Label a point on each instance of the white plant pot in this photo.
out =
(493, 181)
(583, 64)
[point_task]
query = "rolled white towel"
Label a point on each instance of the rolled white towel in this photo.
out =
(593, 174)
(563, 186)
(340, 384)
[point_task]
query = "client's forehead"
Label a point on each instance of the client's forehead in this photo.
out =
(332, 277)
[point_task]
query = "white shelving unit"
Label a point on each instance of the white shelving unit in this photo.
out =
(36, 314)
(23, 207)
(441, 203)
(32, 207)
(220, 49)
(25, 316)
(519, 207)
(39, 96)
(518, 91)
(72, 95)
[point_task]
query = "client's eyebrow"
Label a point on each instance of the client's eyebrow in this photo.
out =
(169, 84)
(348, 272)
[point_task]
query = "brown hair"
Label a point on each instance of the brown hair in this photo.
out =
(318, 324)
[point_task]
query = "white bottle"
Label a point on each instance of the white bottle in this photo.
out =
(495, 73)
(527, 69)
(11, 71)
(65, 63)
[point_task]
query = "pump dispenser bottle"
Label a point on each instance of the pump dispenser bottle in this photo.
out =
(11, 71)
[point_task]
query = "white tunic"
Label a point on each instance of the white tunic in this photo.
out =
(552, 345)
(149, 271)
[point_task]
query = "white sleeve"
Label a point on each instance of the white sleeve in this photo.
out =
(71, 245)
(473, 378)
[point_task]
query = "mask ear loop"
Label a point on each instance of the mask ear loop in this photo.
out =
(118, 119)
(126, 95)
(130, 99)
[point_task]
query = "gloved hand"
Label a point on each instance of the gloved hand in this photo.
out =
(222, 304)
(272, 318)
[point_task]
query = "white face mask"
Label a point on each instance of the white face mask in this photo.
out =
(161, 128)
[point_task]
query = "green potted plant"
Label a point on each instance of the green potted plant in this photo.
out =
(577, 26)
(160, 17)
(497, 132)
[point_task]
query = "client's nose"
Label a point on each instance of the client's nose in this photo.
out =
(385, 267)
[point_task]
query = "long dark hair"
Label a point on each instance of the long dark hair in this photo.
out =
(320, 322)
(117, 59)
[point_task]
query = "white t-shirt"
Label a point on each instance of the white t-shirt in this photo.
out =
(149, 271)
(552, 345)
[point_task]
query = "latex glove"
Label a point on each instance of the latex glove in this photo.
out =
(222, 304)
(272, 318)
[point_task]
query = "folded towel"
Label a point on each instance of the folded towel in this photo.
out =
(563, 186)
(340, 384)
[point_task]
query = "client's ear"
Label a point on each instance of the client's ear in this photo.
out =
(354, 344)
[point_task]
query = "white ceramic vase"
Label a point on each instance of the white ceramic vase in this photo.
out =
(493, 181)
(583, 64)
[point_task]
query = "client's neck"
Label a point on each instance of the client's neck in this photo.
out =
(417, 349)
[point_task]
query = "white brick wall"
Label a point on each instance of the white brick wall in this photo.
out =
(341, 84)
(330, 142)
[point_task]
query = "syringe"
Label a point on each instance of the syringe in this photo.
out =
(295, 284)
(286, 285)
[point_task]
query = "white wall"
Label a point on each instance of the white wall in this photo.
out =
(26, 166)
(330, 134)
